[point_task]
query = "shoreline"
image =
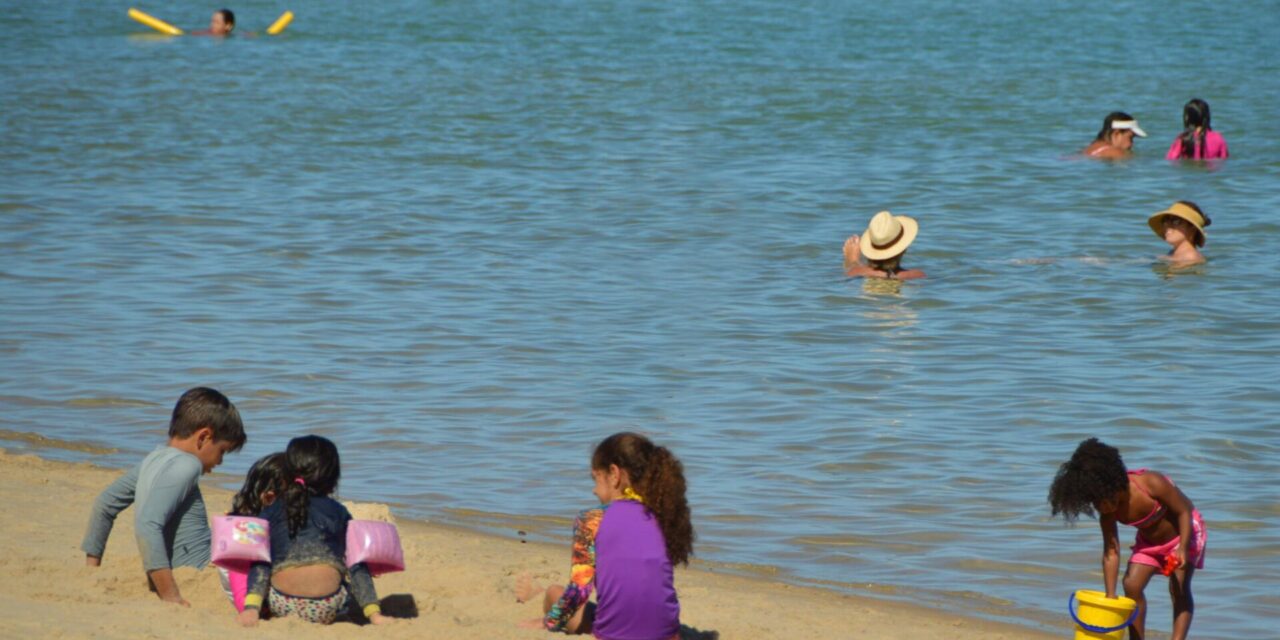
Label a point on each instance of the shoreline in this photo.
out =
(459, 581)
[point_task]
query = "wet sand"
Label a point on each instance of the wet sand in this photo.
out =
(460, 584)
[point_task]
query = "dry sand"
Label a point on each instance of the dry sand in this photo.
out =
(459, 582)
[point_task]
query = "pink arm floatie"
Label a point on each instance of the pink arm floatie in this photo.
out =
(240, 541)
(376, 544)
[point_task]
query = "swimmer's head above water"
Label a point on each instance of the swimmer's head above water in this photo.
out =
(222, 23)
(1116, 135)
(1182, 226)
(882, 246)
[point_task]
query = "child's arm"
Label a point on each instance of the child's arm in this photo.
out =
(166, 587)
(583, 573)
(362, 583)
(259, 582)
(171, 487)
(366, 596)
(115, 498)
(1110, 554)
(1179, 506)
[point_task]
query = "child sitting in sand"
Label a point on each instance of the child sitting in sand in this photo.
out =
(1115, 140)
(308, 576)
(882, 245)
(170, 522)
(1182, 226)
(264, 482)
(625, 548)
(1171, 534)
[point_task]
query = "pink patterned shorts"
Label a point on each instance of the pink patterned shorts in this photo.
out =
(1154, 554)
(322, 610)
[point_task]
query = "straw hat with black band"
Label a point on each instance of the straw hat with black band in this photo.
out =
(887, 236)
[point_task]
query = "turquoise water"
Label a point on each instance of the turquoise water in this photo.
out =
(468, 240)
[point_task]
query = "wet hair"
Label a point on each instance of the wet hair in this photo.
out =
(1105, 133)
(888, 265)
(1094, 473)
(657, 475)
(228, 17)
(1195, 115)
(267, 474)
(204, 407)
(1198, 240)
(311, 468)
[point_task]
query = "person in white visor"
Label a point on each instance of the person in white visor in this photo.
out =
(1115, 141)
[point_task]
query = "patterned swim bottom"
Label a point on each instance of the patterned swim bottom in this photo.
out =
(320, 610)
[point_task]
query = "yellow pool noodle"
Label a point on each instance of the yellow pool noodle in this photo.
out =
(158, 25)
(280, 23)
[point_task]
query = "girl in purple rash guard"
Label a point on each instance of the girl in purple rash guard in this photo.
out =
(626, 547)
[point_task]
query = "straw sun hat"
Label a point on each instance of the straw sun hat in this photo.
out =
(887, 235)
(1184, 211)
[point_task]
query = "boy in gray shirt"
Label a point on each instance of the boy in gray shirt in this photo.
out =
(170, 522)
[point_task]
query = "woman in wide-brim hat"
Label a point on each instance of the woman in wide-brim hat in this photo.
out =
(878, 252)
(1182, 226)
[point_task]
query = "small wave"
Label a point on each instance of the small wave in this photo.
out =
(96, 403)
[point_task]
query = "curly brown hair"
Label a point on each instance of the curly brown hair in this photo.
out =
(267, 474)
(659, 477)
(1095, 472)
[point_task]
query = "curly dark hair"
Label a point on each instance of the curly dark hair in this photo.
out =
(267, 474)
(659, 477)
(1095, 472)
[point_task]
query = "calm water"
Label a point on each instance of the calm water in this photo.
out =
(469, 239)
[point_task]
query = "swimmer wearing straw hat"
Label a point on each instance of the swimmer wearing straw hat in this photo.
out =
(878, 252)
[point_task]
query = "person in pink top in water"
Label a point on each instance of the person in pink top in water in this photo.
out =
(1198, 140)
(1171, 535)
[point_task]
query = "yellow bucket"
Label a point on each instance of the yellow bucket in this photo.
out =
(1100, 617)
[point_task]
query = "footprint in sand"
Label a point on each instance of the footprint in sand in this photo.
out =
(525, 588)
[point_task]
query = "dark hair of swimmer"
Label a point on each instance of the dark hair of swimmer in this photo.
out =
(1194, 116)
(228, 17)
(1199, 239)
(1106, 124)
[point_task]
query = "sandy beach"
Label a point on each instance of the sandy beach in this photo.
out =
(460, 583)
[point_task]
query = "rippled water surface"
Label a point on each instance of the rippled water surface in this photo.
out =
(467, 240)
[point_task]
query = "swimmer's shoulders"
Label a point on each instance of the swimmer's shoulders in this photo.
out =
(1104, 151)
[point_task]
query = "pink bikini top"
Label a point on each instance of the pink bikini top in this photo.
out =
(1157, 511)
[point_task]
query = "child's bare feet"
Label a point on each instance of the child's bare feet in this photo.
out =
(526, 590)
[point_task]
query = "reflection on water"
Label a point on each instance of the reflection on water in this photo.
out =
(882, 286)
(1166, 270)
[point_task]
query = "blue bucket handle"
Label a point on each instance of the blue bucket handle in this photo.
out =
(1088, 627)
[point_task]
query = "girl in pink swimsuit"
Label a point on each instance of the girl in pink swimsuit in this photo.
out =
(1171, 534)
(1198, 140)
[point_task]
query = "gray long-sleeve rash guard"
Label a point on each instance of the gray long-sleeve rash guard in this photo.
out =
(170, 522)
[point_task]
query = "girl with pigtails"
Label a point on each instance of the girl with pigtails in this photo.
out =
(1198, 140)
(307, 576)
(625, 548)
